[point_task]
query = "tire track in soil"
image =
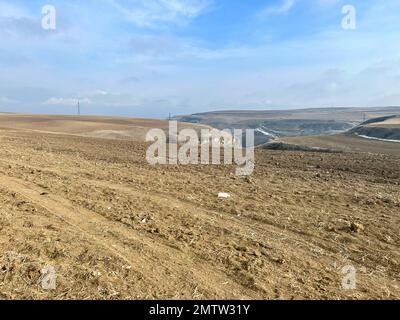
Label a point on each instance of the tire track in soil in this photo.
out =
(242, 227)
(94, 226)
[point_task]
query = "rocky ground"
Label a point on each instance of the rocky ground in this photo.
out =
(114, 227)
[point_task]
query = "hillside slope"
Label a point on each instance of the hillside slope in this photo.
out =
(91, 126)
(385, 128)
(272, 124)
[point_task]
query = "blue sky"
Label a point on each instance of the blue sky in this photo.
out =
(152, 57)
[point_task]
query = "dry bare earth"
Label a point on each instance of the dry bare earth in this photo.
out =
(345, 143)
(115, 227)
(389, 123)
(92, 126)
(356, 139)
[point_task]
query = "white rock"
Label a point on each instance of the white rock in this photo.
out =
(224, 195)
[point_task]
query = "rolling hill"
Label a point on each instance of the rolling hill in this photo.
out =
(272, 124)
(379, 135)
(119, 128)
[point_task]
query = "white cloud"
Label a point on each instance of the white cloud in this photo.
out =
(8, 10)
(116, 66)
(66, 101)
(151, 13)
(284, 7)
(287, 5)
(327, 2)
(6, 100)
(98, 92)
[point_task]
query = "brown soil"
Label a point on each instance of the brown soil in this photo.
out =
(389, 123)
(114, 227)
(346, 143)
(92, 126)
